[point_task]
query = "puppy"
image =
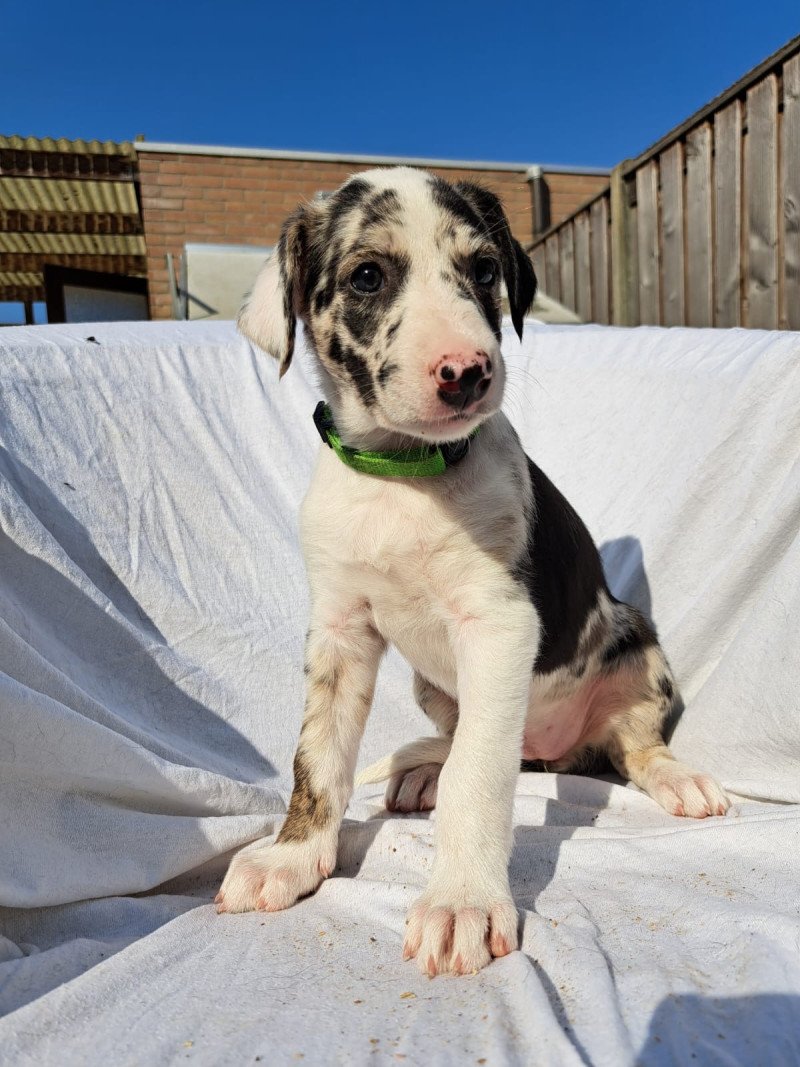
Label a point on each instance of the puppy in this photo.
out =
(426, 526)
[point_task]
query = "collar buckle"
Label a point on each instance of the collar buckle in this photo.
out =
(454, 451)
(323, 420)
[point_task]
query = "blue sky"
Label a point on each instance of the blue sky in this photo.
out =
(556, 82)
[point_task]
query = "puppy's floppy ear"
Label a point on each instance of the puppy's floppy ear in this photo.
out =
(269, 317)
(517, 268)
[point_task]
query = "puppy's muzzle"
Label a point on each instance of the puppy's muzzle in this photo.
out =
(463, 380)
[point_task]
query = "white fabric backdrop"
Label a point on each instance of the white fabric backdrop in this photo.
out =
(152, 612)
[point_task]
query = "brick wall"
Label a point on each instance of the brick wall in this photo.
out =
(244, 200)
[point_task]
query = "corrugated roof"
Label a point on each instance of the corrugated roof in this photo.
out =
(74, 244)
(16, 143)
(21, 279)
(67, 203)
(83, 197)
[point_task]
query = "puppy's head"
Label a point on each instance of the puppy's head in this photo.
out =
(397, 278)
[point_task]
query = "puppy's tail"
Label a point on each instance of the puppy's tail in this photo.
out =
(407, 758)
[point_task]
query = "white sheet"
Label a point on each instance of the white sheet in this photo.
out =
(152, 612)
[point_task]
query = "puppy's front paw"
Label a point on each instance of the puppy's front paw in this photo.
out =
(682, 791)
(414, 790)
(273, 877)
(459, 933)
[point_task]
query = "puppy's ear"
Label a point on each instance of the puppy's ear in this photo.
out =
(518, 271)
(269, 317)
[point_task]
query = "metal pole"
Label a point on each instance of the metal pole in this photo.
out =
(540, 199)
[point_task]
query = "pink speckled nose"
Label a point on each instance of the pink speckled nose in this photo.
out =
(463, 377)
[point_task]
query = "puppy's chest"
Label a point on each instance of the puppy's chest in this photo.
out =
(387, 537)
(397, 540)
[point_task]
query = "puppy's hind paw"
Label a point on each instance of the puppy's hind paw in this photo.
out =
(414, 790)
(682, 791)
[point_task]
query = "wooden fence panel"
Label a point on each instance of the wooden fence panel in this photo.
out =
(552, 270)
(583, 267)
(600, 254)
(704, 228)
(672, 266)
(649, 259)
(761, 204)
(538, 258)
(633, 267)
(621, 290)
(699, 274)
(728, 215)
(790, 185)
(567, 254)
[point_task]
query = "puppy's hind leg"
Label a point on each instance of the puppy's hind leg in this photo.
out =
(635, 745)
(440, 708)
(415, 789)
(342, 657)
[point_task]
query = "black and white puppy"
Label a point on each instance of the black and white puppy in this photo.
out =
(482, 575)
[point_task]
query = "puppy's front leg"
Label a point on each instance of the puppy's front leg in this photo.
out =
(342, 657)
(466, 915)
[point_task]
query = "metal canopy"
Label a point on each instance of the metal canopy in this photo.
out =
(66, 203)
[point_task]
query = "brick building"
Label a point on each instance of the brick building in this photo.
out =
(119, 209)
(195, 193)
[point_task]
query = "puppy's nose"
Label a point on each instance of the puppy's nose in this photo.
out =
(463, 379)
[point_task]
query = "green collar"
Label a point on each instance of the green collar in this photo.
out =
(423, 462)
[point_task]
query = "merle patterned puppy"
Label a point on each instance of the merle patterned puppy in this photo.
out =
(453, 546)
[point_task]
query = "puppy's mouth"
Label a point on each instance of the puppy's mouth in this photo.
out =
(451, 427)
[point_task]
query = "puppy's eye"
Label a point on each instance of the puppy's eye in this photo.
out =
(484, 270)
(367, 278)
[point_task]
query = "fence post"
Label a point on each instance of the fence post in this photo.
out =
(621, 266)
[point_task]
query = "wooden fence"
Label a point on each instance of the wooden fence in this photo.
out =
(703, 229)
